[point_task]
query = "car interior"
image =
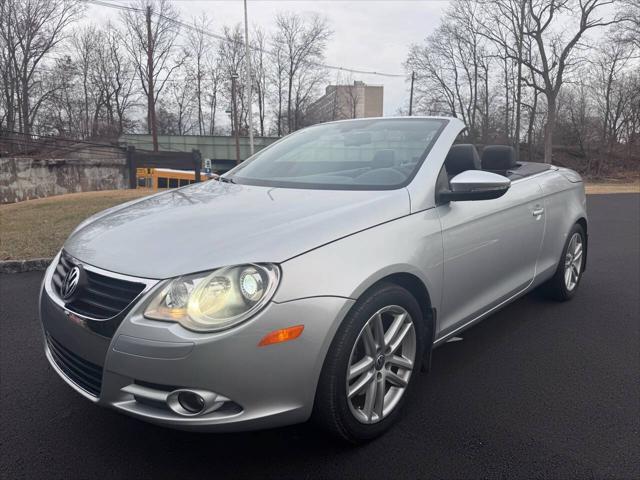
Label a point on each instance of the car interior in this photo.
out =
(500, 159)
(392, 166)
(384, 168)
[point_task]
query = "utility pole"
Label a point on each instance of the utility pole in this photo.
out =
(234, 114)
(151, 101)
(413, 78)
(248, 76)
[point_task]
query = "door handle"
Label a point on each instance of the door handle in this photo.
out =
(537, 211)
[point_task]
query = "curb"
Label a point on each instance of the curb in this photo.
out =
(20, 266)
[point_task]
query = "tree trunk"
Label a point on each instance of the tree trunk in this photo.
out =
(518, 99)
(199, 94)
(86, 106)
(549, 127)
(279, 112)
(26, 126)
(506, 96)
(151, 99)
(485, 122)
(289, 119)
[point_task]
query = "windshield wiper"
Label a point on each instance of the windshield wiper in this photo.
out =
(226, 179)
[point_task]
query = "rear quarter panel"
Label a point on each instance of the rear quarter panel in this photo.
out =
(564, 203)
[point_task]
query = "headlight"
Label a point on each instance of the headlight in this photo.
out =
(211, 301)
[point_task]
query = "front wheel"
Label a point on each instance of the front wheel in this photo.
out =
(563, 285)
(371, 364)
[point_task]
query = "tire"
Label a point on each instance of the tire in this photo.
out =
(358, 419)
(559, 287)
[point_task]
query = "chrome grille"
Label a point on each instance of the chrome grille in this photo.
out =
(104, 297)
(86, 375)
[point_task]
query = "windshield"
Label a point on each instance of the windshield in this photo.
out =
(377, 154)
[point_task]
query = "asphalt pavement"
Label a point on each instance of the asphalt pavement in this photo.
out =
(538, 390)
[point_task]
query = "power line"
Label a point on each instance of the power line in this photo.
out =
(252, 47)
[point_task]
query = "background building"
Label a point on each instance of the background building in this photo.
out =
(341, 102)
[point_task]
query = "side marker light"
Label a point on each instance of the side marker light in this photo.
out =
(282, 335)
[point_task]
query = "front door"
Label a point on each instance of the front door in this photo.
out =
(490, 251)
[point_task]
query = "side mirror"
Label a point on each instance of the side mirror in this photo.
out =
(475, 185)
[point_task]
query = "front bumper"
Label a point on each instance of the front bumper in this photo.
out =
(266, 386)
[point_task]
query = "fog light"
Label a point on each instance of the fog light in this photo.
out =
(191, 402)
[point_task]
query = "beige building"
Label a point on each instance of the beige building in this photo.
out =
(341, 102)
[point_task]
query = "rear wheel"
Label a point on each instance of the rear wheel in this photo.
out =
(563, 285)
(371, 364)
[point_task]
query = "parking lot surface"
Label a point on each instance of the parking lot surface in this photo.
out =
(538, 390)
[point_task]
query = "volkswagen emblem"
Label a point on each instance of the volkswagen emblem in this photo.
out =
(70, 283)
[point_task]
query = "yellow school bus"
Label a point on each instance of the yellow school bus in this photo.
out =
(162, 178)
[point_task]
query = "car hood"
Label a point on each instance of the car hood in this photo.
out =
(213, 224)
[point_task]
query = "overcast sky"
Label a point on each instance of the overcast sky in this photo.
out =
(368, 34)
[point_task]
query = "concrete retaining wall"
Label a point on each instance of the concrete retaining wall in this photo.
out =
(27, 178)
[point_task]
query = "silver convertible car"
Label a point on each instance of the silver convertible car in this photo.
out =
(312, 281)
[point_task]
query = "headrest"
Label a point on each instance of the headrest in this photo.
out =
(498, 157)
(462, 157)
(384, 159)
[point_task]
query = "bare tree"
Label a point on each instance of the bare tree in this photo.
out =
(30, 30)
(532, 115)
(63, 111)
(231, 55)
(306, 85)
(353, 99)
(277, 76)
(199, 46)
(302, 43)
(183, 103)
(117, 73)
(555, 49)
(150, 36)
(214, 79)
(630, 13)
(436, 73)
(451, 67)
(86, 43)
(611, 94)
(578, 113)
(469, 50)
(503, 23)
(8, 73)
(259, 65)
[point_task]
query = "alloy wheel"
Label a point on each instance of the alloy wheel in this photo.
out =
(380, 364)
(573, 262)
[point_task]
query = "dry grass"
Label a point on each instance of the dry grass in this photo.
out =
(612, 187)
(38, 228)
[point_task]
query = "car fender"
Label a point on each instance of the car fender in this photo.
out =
(349, 266)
